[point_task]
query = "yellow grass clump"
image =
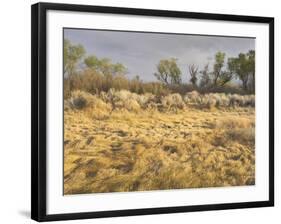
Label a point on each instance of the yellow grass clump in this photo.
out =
(111, 148)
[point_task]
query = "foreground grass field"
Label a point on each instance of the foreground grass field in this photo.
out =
(120, 150)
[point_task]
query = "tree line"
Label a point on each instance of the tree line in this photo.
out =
(223, 71)
(100, 74)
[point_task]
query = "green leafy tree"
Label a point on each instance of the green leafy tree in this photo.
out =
(239, 66)
(168, 71)
(104, 65)
(243, 67)
(92, 62)
(72, 55)
(220, 75)
(205, 80)
(251, 57)
(118, 69)
(218, 66)
(226, 75)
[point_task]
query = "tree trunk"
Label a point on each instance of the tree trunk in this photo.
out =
(245, 86)
(253, 82)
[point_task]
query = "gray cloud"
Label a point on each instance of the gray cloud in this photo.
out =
(140, 52)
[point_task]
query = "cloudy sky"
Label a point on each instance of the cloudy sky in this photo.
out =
(140, 52)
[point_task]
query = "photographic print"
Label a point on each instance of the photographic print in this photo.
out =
(157, 111)
(132, 106)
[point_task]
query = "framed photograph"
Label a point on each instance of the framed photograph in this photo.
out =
(140, 111)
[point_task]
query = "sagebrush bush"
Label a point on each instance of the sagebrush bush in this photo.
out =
(243, 135)
(232, 123)
(80, 99)
(172, 101)
(124, 99)
(132, 105)
(192, 97)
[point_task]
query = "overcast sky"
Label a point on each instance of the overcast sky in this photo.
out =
(140, 52)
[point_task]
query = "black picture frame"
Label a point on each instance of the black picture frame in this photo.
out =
(38, 108)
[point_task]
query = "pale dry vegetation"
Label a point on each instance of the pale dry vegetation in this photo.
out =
(122, 141)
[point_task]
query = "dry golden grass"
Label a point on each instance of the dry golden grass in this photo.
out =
(134, 149)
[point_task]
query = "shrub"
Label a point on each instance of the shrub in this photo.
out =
(234, 100)
(132, 105)
(143, 99)
(122, 95)
(79, 100)
(249, 100)
(232, 123)
(192, 97)
(224, 100)
(118, 99)
(173, 101)
(244, 135)
(211, 102)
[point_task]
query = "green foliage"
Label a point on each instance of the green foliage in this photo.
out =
(168, 71)
(92, 62)
(119, 68)
(243, 67)
(251, 60)
(219, 63)
(205, 80)
(104, 65)
(72, 54)
(220, 77)
(225, 77)
(100, 74)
